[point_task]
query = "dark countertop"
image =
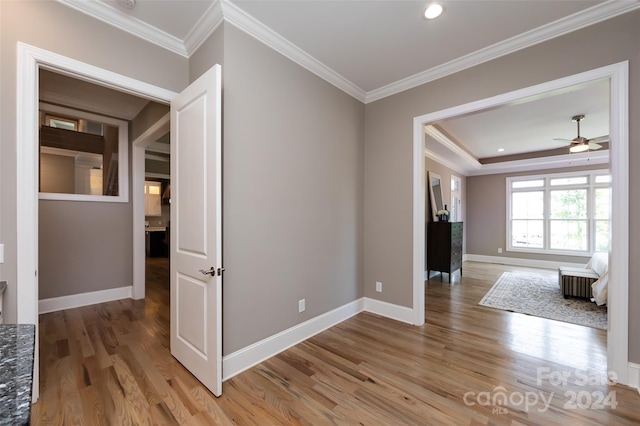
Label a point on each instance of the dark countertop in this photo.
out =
(16, 373)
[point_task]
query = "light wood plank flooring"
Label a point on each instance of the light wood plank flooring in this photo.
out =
(109, 364)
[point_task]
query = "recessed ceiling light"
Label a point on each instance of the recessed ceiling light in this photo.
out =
(500, 149)
(433, 11)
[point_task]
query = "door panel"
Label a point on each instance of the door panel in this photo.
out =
(196, 229)
(192, 160)
(192, 311)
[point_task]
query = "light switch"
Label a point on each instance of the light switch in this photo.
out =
(1, 253)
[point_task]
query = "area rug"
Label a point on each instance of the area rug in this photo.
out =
(539, 295)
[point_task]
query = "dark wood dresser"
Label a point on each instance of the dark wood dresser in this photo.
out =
(444, 247)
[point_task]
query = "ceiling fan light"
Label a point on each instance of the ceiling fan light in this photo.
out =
(579, 148)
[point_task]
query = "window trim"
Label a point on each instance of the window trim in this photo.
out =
(591, 186)
(123, 156)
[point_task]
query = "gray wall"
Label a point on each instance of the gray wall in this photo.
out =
(83, 247)
(388, 144)
(293, 185)
(147, 117)
(57, 173)
(159, 167)
(487, 218)
(445, 175)
(57, 28)
(317, 205)
(211, 52)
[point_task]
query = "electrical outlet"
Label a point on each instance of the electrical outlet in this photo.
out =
(301, 306)
(378, 286)
(499, 249)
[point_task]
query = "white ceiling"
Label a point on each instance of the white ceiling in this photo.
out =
(532, 126)
(377, 43)
(372, 49)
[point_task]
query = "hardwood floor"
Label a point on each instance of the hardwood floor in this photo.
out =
(109, 364)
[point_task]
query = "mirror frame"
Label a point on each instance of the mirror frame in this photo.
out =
(434, 207)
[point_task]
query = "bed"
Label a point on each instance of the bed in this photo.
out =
(599, 263)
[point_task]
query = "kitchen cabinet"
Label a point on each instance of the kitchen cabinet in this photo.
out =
(156, 242)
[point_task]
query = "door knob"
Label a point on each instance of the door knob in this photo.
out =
(211, 271)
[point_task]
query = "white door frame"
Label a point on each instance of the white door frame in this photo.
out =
(30, 59)
(158, 129)
(618, 75)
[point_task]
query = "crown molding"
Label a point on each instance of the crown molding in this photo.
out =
(590, 16)
(124, 22)
(447, 163)
(544, 163)
(224, 10)
(530, 164)
(468, 159)
(218, 12)
(240, 19)
(205, 26)
(469, 166)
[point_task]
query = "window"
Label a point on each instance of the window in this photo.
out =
(61, 122)
(456, 199)
(83, 156)
(152, 199)
(564, 213)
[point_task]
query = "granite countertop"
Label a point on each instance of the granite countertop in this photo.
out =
(16, 373)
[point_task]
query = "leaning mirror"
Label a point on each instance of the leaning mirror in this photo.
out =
(435, 192)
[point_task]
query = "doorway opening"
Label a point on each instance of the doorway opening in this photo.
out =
(30, 61)
(617, 74)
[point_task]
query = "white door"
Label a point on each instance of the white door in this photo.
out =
(196, 230)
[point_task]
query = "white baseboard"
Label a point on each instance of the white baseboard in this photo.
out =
(633, 376)
(83, 299)
(389, 310)
(245, 358)
(518, 261)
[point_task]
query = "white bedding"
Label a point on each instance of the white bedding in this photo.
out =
(599, 263)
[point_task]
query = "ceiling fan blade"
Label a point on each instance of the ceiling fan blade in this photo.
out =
(604, 138)
(593, 146)
(562, 139)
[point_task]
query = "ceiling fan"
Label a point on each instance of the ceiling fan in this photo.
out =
(580, 143)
